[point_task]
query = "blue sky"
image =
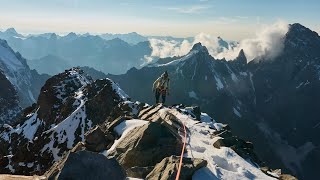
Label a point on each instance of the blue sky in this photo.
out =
(232, 19)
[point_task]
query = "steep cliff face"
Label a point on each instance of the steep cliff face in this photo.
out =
(287, 97)
(16, 70)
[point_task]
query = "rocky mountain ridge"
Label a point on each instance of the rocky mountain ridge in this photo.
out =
(76, 120)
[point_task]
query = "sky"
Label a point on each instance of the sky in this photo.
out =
(230, 19)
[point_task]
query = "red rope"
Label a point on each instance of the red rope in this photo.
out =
(182, 152)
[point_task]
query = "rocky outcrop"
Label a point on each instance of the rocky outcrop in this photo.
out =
(168, 168)
(146, 146)
(66, 109)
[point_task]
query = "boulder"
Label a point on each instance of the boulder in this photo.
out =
(97, 141)
(89, 165)
(146, 146)
(219, 143)
(168, 168)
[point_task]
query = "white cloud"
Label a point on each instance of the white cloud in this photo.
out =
(189, 10)
(164, 48)
(224, 20)
(267, 42)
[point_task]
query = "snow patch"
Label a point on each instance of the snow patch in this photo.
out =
(195, 70)
(243, 73)
(9, 166)
(123, 129)
(193, 95)
(31, 96)
(234, 77)
(299, 85)
(303, 83)
(119, 91)
(236, 112)
(218, 83)
(64, 132)
(177, 61)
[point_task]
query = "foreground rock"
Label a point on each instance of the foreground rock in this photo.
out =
(88, 165)
(17, 177)
(168, 168)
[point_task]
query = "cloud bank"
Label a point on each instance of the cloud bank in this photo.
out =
(169, 48)
(267, 42)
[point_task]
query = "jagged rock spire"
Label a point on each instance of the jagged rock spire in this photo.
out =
(241, 59)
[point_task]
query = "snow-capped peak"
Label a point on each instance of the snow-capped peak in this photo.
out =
(11, 31)
(199, 47)
(8, 57)
(17, 72)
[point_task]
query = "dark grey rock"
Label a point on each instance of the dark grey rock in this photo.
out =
(146, 146)
(85, 165)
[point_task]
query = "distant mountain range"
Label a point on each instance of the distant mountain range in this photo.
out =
(62, 52)
(270, 102)
(103, 52)
(131, 38)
